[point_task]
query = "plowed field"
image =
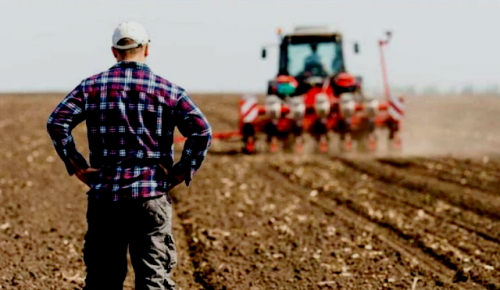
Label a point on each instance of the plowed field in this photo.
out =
(427, 218)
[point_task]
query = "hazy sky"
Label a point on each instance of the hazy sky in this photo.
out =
(212, 45)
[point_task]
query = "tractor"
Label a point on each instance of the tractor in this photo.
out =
(313, 94)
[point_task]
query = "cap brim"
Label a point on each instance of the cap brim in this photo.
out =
(130, 46)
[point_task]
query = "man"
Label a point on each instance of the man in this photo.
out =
(313, 63)
(130, 114)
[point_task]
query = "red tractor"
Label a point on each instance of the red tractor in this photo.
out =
(313, 93)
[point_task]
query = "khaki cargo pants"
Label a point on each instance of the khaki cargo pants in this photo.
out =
(142, 225)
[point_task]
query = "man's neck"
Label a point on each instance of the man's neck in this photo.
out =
(134, 59)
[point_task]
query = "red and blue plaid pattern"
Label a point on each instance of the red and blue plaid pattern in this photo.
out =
(131, 115)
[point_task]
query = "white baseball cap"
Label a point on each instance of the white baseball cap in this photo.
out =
(132, 30)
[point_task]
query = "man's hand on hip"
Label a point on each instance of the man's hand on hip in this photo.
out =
(84, 174)
(174, 176)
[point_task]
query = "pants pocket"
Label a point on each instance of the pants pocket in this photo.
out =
(157, 211)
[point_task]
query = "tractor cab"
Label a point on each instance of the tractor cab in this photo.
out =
(311, 56)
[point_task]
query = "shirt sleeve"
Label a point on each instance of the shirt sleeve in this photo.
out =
(194, 126)
(66, 116)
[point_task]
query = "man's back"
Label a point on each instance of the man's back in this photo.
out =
(131, 114)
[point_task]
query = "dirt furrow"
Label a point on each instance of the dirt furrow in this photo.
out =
(482, 226)
(479, 240)
(185, 274)
(427, 265)
(250, 230)
(410, 223)
(466, 198)
(490, 164)
(465, 175)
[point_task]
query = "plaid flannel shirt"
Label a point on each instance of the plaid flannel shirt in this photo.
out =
(131, 115)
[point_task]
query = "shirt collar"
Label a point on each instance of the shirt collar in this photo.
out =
(131, 64)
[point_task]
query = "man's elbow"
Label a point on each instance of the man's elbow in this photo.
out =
(205, 132)
(52, 126)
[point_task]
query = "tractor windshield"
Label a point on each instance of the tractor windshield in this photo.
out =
(314, 57)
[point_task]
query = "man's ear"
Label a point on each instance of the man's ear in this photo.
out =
(115, 52)
(146, 50)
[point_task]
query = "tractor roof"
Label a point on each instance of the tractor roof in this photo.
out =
(314, 31)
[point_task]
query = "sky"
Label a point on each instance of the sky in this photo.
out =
(214, 45)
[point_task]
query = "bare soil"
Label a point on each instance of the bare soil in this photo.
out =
(426, 218)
